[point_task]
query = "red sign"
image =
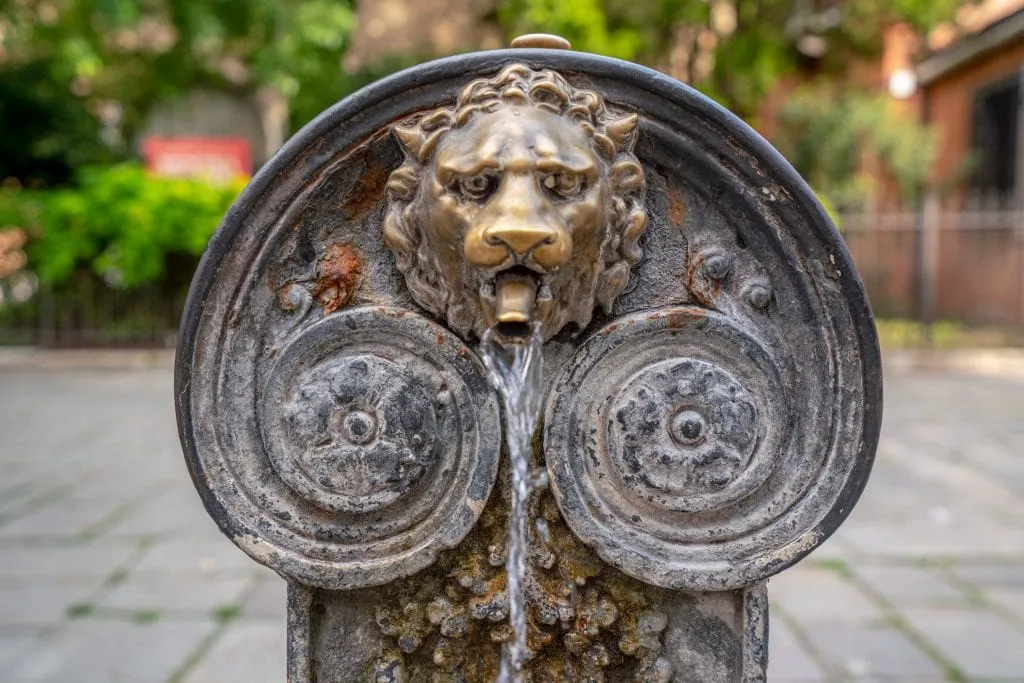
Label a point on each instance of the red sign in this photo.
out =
(216, 159)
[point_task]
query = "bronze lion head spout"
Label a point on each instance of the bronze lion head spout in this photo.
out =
(522, 203)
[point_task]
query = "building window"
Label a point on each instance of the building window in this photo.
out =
(996, 143)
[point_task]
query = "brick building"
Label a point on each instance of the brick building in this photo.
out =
(971, 93)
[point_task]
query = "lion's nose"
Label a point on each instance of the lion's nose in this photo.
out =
(521, 239)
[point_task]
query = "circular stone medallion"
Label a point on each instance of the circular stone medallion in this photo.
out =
(685, 428)
(383, 440)
(668, 440)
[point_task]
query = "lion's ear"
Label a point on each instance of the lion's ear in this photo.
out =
(411, 138)
(620, 130)
(418, 141)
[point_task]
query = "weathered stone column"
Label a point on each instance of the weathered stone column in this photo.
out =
(712, 388)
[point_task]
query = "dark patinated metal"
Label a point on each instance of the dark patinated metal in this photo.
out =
(713, 387)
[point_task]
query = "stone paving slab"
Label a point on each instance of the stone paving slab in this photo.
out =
(73, 560)
(249, 652)
(268, 600)
(1011, 574)
(788, 659)
(103, 651)
(174, 512)
(176, 593)
(41, 603)
(190, 556)
(71, 517)
(914, 586)
(819, 596)
(110, 569)
(980, 643)
(1008, 600)
(871, 651)
(14, 644)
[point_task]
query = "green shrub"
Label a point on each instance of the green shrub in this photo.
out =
(828, 132)
(119, 222)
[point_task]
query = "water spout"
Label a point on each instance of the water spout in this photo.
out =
(516, 368)
(516, 298)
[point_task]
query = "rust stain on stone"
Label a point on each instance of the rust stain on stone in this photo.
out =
(283, 300)
(676, 207)
(368, 192)
(676, 320)
(704, 289)
(337, 276)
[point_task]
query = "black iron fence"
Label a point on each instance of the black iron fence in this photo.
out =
(89, 314)
(964, 264)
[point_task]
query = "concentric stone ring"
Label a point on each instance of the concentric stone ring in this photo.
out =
(376, 446)
(671, 441)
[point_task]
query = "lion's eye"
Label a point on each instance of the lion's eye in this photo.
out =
(564, 185)
(477, 187)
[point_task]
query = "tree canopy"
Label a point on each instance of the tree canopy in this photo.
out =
(115, 59)
(736, 51)
(77, 72)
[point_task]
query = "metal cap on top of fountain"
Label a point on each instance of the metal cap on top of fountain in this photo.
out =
(687, 363)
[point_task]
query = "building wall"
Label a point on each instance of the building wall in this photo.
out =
(949, 105)
(216, 114)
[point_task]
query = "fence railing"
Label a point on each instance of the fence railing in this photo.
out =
(931, 263)
(92, 315)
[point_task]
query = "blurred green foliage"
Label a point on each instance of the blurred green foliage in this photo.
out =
(826, 131)
(117, 58)
(898, 333)
(736, 51)
(49, 132)
(120, 222)
(140, 51)
(590, 25)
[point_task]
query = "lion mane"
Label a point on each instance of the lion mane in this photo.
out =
(520, 85)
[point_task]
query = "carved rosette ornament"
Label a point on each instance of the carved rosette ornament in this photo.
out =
(362, 408)
(712, 389)
(683, 427)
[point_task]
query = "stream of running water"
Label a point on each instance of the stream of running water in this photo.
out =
(515, 370)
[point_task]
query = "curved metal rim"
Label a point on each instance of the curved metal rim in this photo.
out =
(598, 67)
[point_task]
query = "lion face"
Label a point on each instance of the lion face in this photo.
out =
(521, 214)
(521, 193)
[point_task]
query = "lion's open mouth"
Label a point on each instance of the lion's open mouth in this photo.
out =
(516, 297)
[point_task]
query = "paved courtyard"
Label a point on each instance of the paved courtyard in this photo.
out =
(111, 572)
